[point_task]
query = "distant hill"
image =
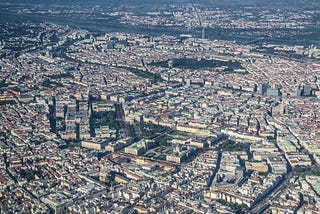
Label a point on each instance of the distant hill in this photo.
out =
(218, 3)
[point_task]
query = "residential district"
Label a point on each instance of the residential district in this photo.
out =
(133, 123)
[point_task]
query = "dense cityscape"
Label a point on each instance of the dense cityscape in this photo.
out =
(163, 107)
